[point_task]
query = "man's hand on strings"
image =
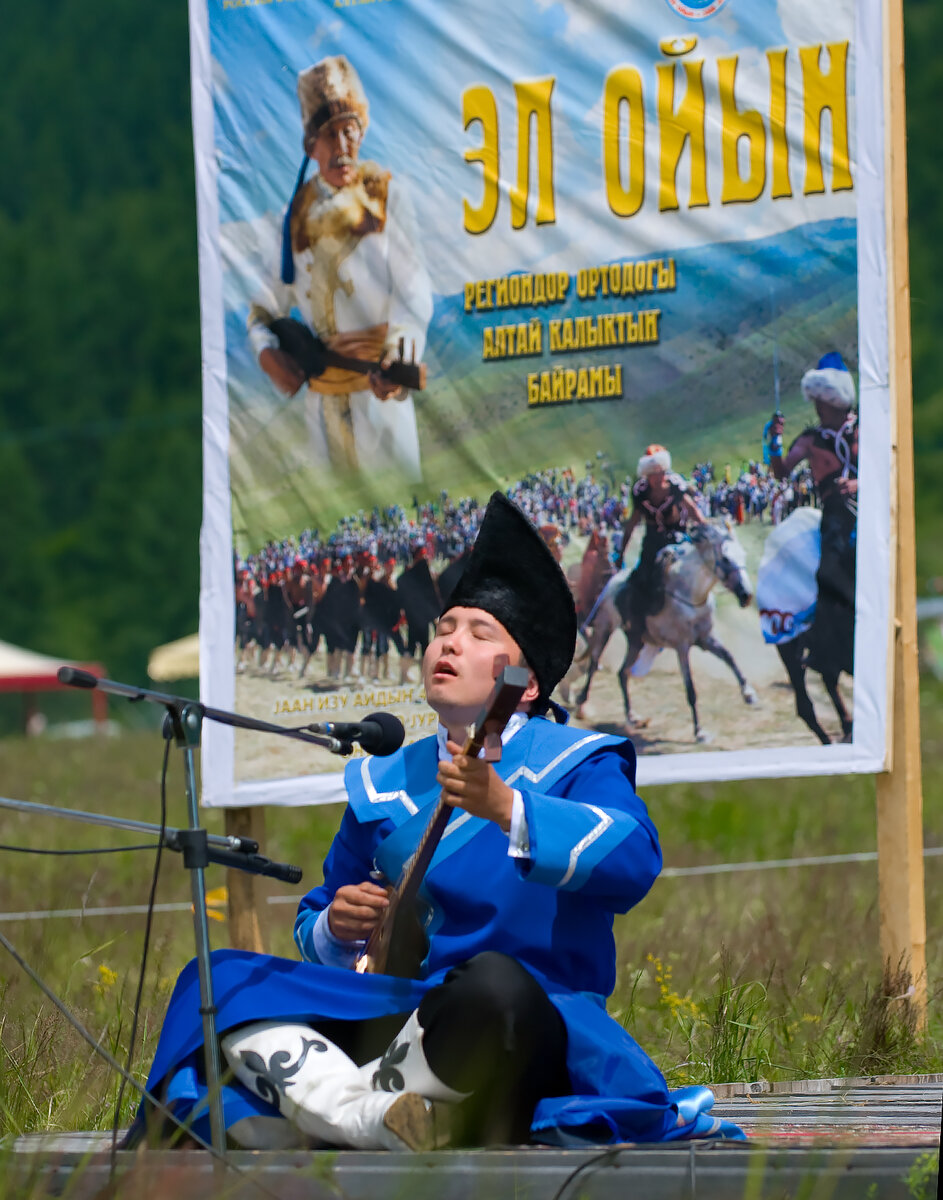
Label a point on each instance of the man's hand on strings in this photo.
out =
(383, 388)
(356, 910)
(474, 785)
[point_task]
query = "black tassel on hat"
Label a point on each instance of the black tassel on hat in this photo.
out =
(512, 575)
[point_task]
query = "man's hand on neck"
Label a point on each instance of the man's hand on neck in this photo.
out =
(473, 785)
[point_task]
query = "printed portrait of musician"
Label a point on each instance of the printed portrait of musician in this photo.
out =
(352, 268)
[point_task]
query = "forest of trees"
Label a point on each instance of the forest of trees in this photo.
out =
(99, 324)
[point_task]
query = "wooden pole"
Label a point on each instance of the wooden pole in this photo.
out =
(245, 891)
(899, 790)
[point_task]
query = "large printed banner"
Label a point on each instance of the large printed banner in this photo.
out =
(625, 263)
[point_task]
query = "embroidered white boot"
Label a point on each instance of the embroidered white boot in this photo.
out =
(404, 1070)
(321, 1091)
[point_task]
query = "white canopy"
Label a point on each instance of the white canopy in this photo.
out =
(25, 670)
(175, 660)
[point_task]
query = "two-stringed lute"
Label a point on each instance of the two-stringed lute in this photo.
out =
(313, 357)
(385, 951)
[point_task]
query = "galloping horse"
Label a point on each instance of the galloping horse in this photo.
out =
(595, 572)
(710, 554)
(794, 658)
(787, 596)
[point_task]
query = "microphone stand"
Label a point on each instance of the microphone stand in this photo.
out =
(223, 849)
(184, 723)
(185, 727)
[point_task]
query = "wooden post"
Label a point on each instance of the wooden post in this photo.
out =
(899, 790)
(245, 891)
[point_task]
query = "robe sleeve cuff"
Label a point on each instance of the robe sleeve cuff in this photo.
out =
(332, 951)
(518, 835)
(568, 841)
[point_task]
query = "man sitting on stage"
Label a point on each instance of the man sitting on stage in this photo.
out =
(505, 1033)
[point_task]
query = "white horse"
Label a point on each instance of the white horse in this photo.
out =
(710, 554)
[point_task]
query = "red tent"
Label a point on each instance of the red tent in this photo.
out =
(25, 671)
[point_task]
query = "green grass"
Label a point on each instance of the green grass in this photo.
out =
(776, 974)
(773, 974)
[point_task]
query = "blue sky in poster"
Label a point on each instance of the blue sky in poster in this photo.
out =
(416, 58)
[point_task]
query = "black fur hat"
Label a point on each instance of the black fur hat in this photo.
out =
(512, 575)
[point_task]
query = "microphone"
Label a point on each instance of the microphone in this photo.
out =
(74, 677)
(256, 864)
(380, 733)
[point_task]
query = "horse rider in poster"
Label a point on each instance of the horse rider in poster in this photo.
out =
(831, 449)
(662, 500)
(352, 266)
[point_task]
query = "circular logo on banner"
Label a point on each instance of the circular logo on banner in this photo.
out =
(697, 10)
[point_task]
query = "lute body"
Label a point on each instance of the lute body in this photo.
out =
(314, 357)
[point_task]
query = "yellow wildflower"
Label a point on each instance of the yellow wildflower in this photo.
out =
(107, 978)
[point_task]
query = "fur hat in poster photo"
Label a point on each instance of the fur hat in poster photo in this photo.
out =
(512, 575)
(328, 90)
(830, 382)
(655, 458)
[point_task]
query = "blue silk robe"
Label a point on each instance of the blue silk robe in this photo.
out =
(593, 852)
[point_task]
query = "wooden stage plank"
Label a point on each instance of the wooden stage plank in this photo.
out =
(838, 1140)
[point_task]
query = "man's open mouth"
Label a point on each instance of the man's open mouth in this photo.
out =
(444, 668)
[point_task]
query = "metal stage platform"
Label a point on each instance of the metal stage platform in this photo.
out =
(818, 1140)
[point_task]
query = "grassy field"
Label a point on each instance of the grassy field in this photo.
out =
(756, 974)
